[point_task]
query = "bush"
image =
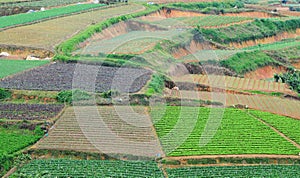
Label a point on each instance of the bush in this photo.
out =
(156, 84)
(69, 96)
(110, 93)
(4, 94)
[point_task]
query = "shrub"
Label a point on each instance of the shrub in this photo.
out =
(156, 84)
(4, 94)
(69, 96)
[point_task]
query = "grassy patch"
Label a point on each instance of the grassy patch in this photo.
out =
(156, 84)
(247, 61)
(9, 67)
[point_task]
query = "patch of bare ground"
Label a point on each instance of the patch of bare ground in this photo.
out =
(251, 14)
(265, 72)
(267, 40)
(21, 52)
(296, 64)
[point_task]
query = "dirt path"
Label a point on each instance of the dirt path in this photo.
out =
(277, 131)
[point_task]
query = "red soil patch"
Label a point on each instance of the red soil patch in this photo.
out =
(296, 65)
(192, 48)
(265, 72)
(267, 40)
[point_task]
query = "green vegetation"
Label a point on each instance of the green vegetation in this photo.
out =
(288, 126)
(69, 96)
(291, 171)
(238, 132)
(44, 3)
(156, 84)
(260, 28)
(89, 168)
(247, 61)
(64, 49)
(275, 46)
(265, 93)
(9, 67)
(37, 16)
(4, 94)
(292, 78)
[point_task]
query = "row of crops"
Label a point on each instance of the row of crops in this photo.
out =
(65, 76)
(189, 131)
(29, 111)
(97, 168)
(24, 18)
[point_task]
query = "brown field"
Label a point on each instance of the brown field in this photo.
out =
(276, 105)
(111, 130)
(50, 33)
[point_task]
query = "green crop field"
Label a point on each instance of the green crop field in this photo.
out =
(202, 21)
(292, 171)
(90, 168)
(14, 139)
(238, 133)
(288, 126)
(9, 67)
(43, 3)
(277, 45)
(23, 18)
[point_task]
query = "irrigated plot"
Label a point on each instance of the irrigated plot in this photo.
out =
(90, 168)
(291, 171)
(212, 131)
(62, 76)
(29, 111)
(50, 33)
(108, 130)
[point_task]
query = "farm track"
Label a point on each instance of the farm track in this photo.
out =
(276, 105)
(48, 34)
(110, 130)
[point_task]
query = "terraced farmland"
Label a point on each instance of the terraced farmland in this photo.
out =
(276, 105)
(14, 139)
(9, 67)
(44, 3)
(235, 83)
(90, 168)
(110, 130)
(291, 171)
(29, 111)
(235, 133)
(20, 19)
(50, 33)
(288, 126)
(62, 76)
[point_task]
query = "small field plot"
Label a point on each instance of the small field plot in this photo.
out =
(90, 168)
(42, 3)
(61, 76)
(134, 42)
(208, 21)
(110, 130)
(50, 33)
(29, 111)
(236, 133)
(237, 171)
(289, 43)
(205, 55)
(23, 18)
(9, 67)
(230, 83)
(14, 139)
(287, 126)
